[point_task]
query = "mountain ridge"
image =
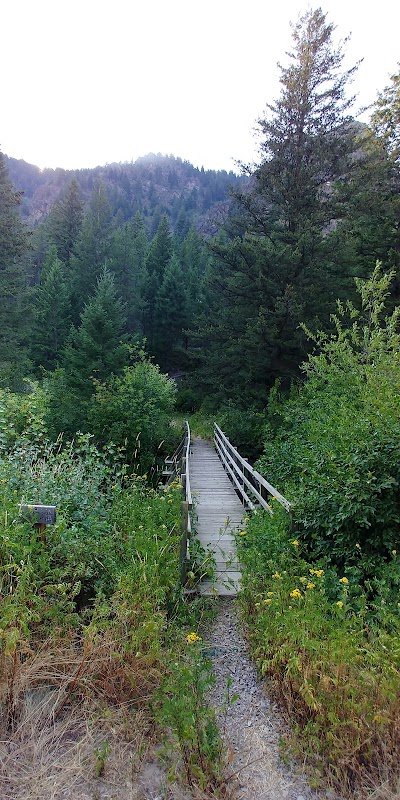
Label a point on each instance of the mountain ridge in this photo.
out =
(153, 185)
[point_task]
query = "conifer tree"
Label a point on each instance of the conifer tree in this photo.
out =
(96, 349)
(92, 250)
(51, 313)
(386, 117)
(159, 254)
(65, 222)
(128, 252)
(160, 250)
(277, 266)
(14, 292)
(171, 315)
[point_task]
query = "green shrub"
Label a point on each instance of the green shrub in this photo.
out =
(134, 411)
(244, 427)
(333, 665)
(335, 455)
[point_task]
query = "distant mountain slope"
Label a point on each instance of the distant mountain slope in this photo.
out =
(154, 184)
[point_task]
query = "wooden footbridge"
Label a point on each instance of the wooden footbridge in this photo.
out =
(219, 487)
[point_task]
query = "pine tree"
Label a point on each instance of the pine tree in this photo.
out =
(92, 250)
(65, 222)
(51, 313)
(160, 250)
(306, 134)
(159, 254)
(386, 117)
(14, 292)
(128, 252)
(277, 266)
(96, 349)
(171, 315)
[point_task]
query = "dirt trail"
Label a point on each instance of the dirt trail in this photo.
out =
(251, 726)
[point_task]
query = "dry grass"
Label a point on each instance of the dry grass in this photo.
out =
(67, 706)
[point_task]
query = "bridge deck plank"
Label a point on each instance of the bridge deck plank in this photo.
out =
(217, 512)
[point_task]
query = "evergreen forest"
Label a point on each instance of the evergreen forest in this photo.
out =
(135, 296)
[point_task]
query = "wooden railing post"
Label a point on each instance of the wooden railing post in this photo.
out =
(184, 539)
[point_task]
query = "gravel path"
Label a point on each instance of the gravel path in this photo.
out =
(253, 725)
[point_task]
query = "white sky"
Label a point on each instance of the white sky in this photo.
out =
(90, 82)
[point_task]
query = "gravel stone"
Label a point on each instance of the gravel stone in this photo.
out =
(252, 726)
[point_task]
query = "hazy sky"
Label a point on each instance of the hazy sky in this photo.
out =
(87, 82)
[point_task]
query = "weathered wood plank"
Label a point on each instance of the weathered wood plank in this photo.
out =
(217, 511)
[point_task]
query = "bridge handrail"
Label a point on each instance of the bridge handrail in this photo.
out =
(178, 464)
(243, 474)
(187, 445)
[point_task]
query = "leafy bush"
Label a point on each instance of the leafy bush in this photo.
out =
(134, 411)
(244, 427)
(22, 414)
(335, 454)
(334, 669)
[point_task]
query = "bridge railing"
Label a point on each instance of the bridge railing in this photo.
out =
(250, 485)
(178, 466)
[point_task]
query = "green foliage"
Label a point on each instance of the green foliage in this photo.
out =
(134, 410)
(22, 414)
(112, 536)
(386, 117)
(96, 349)
(94, 352)
(90, 253)
(65, 223)
(14, 292)
(330, 660)
(244, 427)
(183, 710)
(100, 589)
(334, 454)
(129, 247)
(51, 313)
(277, 264)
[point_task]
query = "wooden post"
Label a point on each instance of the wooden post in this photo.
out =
(184, 538)
(41, 531)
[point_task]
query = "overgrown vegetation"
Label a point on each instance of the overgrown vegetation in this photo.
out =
(115, 311)
(92, 612)
(321, 588)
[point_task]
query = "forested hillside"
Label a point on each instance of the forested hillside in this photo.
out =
(153, 185)
(132, 294)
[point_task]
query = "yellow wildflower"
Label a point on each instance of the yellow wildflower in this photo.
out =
(303, 580)
(295, 543)
(276, 575)
(267, 601)
(242, 533)
(270, 594)
(318, 572)
(312, 571)
(358, 546)
(296, 593)
(343, 580)
(310, 585)
(394, 552)
(339, 604)
(192, 638)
